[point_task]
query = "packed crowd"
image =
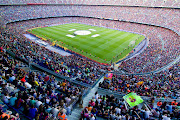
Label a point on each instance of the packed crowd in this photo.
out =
(103, 106)
(162, 85)
(111, 108)
(35, 94)
(152, 3)
(170, 109)
(72, 66)
(163, 43)
(6, 114)
(162, 49)
(166, 17)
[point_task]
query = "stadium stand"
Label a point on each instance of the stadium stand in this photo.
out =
(153, 74)
(35, 89)
(110, 107)
(158, 37)
(133, 14)
(161, 87)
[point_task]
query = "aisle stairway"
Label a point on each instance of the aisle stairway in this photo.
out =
(76, 113)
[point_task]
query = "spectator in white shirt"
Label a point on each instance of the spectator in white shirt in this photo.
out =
(147, 113)
(165, 117)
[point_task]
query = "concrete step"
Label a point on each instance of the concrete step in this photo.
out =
(76, 113)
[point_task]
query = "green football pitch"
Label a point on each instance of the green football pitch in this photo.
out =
(98, 43)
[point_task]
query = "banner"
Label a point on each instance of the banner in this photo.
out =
(108, 76)
(133, 99)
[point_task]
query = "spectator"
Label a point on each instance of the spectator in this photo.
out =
(4, 115)
(6, 98)
(12, 100)
(146, 114)
(62, 116)
(174, 103)
(32, 112)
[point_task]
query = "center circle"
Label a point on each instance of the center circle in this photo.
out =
(82, 32)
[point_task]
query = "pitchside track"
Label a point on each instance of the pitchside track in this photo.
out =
(100, 44)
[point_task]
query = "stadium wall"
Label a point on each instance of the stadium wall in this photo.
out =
(152, 3)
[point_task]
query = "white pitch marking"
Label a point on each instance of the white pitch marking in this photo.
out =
(132, 43)
(72, 36)
(72, 30)
(92, 29)
(96, 35)
(82, 32)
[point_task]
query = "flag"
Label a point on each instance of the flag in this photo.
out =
(23, 79)
(108, 76)
(140, 83)
(133, 99)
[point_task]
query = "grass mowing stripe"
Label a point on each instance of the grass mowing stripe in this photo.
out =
(66, 28)
(61, 27)
(106, 46)
(54, 35)
(112, 53)
(107, 35)
(71, 26)
(126, 43)
(104, 50)
(50, 34)
(113, 40)
(126, 39)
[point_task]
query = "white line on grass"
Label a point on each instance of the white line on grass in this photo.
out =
(96, 35)
(72, 36)
(92, 29)
(72, 30)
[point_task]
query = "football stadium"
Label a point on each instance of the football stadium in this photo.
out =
(90, 59)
